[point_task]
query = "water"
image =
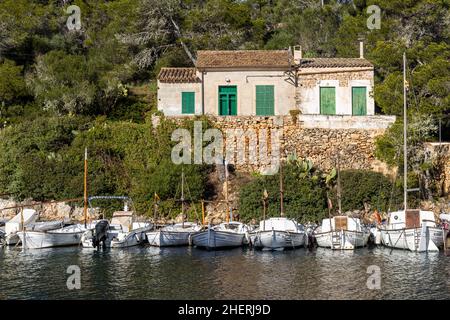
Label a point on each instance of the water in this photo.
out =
(190, 273)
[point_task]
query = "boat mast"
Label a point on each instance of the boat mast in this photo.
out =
(229, 214)
(405, 150)
(281, 190)
(339, 184)
(265, 197)
(182, 197)
(85, 187)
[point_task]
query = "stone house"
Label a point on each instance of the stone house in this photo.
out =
(267, 83)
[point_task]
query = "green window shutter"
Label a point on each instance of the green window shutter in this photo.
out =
(328, 100)
(227, 100)
(359, 101)
(265, 101)
(188, 102)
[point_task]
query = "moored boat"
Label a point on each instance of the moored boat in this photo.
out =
(411, 229)
(224, 235)
(341, 233)
(17, 223)
(414, 230)
(278, 234)
(66, 236)
(173, 235)
(121, 232)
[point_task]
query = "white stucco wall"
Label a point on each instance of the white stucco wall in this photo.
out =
(246, 81)
(306, 97)
(309, 91)
(169, 97)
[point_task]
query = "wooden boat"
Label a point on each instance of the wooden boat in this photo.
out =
(414, 230)
(17, 223)
(66, 236)
(341, 233)
(224, 235)
(411, 229)
(278, 234)
(173, 235)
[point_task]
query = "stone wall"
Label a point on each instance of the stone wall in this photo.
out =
(46, 211)
(315, 137)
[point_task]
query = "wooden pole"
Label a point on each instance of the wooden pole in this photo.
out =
(182, 197)
(281, 190)
(339, 184)
(85, 187)
(405, 147)
(229, 214)
(203, 213)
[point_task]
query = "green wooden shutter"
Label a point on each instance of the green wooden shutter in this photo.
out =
(188, 102)
(227, 100)
(328, 100)
(359, 101)
(265, 101)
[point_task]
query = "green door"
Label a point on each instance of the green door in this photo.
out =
(265, 101)
(227, 100)
(327, 100)
(188, 102)
(359, 101)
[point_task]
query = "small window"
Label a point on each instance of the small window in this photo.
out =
(188, 102)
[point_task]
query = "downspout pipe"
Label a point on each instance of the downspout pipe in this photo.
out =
(203, 92)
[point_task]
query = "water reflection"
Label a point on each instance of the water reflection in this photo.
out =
(189, 273)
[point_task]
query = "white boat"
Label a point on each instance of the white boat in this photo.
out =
(278, 234)
(341, 233)
(414, 230)
(224, 235)
(410, 229)
(173, 235)
(16, 224)
(66, 236)
(122, 232)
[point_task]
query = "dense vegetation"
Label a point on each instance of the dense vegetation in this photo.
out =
(62, 90)
(307, 192)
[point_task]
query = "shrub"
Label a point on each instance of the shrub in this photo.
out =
(304, 197)
(364, 186)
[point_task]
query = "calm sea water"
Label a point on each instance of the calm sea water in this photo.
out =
(190, 273)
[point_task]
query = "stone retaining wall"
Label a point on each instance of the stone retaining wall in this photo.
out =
(315, 137)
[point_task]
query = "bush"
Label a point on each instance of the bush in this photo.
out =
(304, 198)
(363, 186)
(44, 160)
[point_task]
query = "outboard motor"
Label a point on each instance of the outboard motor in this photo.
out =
(100, 234)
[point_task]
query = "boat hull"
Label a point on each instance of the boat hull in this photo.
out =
(38, 240)
(278, 240)
(410, 238)
(117, 239)
(212, 239)
(164, 238)
(342, 240)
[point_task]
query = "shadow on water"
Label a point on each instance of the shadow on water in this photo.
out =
(241, 273)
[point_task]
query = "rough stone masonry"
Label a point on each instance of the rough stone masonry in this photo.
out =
(315, 137)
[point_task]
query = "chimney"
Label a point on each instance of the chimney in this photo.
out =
(298, 54)
(361, 50)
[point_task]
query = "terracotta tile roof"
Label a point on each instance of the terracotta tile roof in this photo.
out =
(335, 63)
(244, 59)
(178, 75)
